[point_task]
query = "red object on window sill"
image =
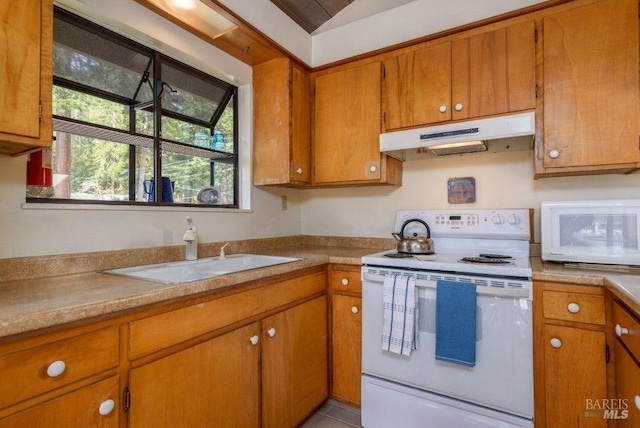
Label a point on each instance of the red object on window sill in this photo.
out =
(39, 168)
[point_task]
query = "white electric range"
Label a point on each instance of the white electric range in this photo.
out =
(489, 248)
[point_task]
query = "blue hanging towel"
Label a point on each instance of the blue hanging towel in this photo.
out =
(456, 322)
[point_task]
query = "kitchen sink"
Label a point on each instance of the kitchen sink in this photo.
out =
(188, 271)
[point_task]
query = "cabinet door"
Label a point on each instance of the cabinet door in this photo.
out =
(417, 87)
(78, 409)
(294, 363)
(347, 125)
(346, 346)
(25, 74)
(282, 124)
(627, 387)
(215, 384)
(494, 72)
(591, 86)
(574, 372)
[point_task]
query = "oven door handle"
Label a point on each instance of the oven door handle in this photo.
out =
(481, 290)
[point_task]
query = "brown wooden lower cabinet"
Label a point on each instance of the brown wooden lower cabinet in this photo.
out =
(346, 343)
(570, 355)
(294, 363)
(346, 332)
(215, 383)
(80, 408)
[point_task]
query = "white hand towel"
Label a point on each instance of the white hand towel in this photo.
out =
(400, 304)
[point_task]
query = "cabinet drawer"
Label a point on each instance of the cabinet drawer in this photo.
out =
(627, 329)
(586, 308)
(76, 357)
(343, 280)
(160, 331)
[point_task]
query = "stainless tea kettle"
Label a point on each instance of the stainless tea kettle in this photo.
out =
(415, 245)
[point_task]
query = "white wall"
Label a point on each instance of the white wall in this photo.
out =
(503, 180)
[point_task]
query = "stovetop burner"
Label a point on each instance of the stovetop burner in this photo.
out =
(484, 259)
(495, 256)
(399, 255)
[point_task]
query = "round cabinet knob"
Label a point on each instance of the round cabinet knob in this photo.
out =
(254, 340)
(373, 168)
(554, 154)
(458, 107)
(574, 308)
(56, 368)
(354, 309)
(620, 330)
(271, 332)
(345, 281)
(636, 401)
(443, 108)
(556, 343)
(299, 170)
(106, 407)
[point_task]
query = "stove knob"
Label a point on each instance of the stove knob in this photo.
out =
(497, 219)
(513, 219)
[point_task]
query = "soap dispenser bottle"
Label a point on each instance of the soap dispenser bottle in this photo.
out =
(191, 241)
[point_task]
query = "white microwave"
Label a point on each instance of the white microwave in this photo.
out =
(603, 232)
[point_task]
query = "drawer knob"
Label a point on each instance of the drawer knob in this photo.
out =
(354, 309)
(637, 402)
(56, 368)
(620, 330)
(299, 170)
(254, 340)
(553, 154)
(574, 308)
(271, 332)
(106, 407)
(556, 343)
(345, 281)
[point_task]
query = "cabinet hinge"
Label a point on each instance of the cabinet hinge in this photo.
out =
(40, 111)
(382, 72)
(607, 354)
(537, 90)
(126, 399)
(535, 35)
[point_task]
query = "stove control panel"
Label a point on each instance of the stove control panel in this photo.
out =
(490, 224)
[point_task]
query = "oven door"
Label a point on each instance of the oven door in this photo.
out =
(502, 378)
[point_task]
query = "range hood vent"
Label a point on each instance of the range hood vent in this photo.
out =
(495, 134)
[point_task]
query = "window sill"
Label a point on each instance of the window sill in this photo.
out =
(136, 207)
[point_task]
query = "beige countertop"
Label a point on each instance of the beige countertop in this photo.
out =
(36, 303)
(29, 304)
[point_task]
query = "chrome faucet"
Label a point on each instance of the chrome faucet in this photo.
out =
(191, 241)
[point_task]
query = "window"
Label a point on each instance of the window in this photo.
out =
(133, 126)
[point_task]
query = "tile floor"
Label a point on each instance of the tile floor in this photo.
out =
(334, 414)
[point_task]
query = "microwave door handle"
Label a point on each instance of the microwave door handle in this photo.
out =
(481, 290)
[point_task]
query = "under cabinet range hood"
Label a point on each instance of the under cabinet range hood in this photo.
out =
(495, 134)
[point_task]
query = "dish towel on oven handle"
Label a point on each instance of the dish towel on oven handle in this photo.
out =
(456, 322)
(400, 308)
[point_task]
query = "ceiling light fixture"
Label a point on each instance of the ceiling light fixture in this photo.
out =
(184, 4)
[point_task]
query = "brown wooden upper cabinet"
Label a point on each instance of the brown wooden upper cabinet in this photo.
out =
(25, 75)
(281, 124)
(346, 134)
(590, 90)
(482, 75)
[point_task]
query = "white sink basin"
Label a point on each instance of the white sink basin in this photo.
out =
(187, 271)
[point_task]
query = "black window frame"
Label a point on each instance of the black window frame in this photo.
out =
(157, 59)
